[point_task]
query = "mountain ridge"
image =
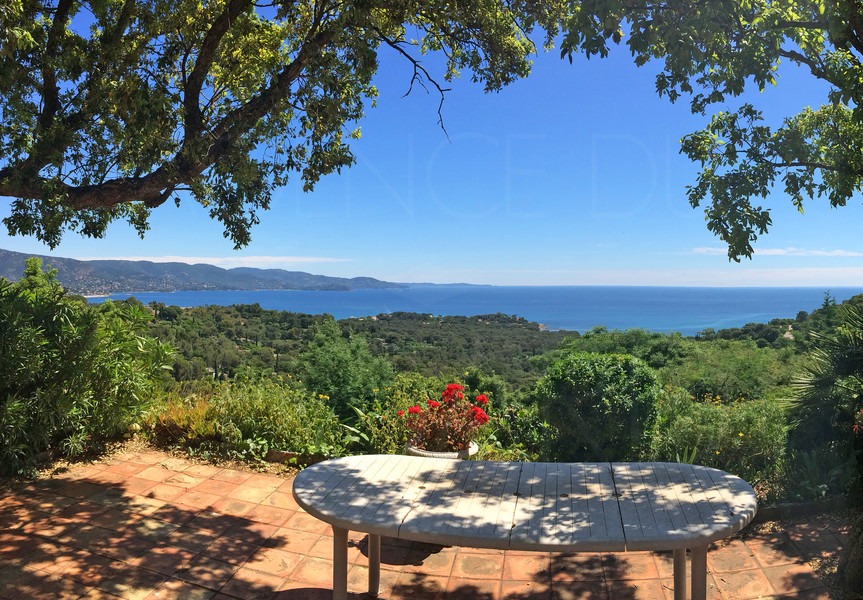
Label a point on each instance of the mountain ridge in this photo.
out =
(104, 276)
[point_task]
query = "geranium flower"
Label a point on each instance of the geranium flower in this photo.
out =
(447, 425)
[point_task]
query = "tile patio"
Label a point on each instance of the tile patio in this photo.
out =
(147, 526)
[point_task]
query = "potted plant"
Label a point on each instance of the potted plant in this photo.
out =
(444, 429)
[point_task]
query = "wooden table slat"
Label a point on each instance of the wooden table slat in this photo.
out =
(581, 525)
(564, 531)
(660, 508)
(683, 491)
(453, 517)
(436, 487)
(738, 494)
(520, 531)
(701, 495)
(610, 505)
(666, 492)
(338, 487)
(548, 523)
(369, 487)
(429, 519)
(506, 505)
(462, 515)
(536, 502)
(627, 501)
(487, 500)
(397, 503)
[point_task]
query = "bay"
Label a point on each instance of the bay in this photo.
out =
(687, 310)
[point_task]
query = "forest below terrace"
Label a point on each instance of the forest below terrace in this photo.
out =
(751, 361)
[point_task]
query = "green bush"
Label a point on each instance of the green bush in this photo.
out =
(518, 433)
(342, 369)
(830, 390)
(601, 405)
(245, 419)
(731, 369)
(378, 427)
(72, 376)
(746, 438)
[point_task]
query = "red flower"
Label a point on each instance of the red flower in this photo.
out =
(448, 424)
(479, 415)
(401, 413)
(452, 393)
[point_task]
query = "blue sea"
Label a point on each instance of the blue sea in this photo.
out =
(687, 310)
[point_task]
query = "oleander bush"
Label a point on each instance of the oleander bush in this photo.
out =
(245, 419)
(744, 437)
(74, 376)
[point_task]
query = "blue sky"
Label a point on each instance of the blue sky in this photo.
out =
(569, 177)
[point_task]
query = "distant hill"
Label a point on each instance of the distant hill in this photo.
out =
(95, 277)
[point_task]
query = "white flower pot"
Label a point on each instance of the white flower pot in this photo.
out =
(469, 451)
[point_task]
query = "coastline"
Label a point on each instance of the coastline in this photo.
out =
(687, 311)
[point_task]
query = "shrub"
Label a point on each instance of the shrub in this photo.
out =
(343, 369)
(731, 369)
(378, 427)
(600, 404)
(517, 433)
(746, 438)
(245, 419)
(73, 376)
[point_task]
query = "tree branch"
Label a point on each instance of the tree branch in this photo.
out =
(44, 144)
(195, 82)
(50, 90)
(154, 188)
(814, 67)
(855, 33)
(418, 74)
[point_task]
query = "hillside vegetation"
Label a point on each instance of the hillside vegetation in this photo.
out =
(773, 403)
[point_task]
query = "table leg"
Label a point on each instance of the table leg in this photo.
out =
(374, 564)
(699, 573)
(680, 574)
(340, 563)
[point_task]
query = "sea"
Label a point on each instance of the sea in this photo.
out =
(687, 310)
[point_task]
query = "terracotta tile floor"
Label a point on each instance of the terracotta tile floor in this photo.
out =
(149, 526)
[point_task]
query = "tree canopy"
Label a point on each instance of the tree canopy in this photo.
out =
(111, 107)
(711, 51)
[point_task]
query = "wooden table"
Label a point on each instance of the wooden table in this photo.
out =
(557, 507)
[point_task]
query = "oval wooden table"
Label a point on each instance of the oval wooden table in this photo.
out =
(556, 507)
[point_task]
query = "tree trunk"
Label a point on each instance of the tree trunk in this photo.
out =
(851, 563)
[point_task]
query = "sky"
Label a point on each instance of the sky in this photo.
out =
(571, 176)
